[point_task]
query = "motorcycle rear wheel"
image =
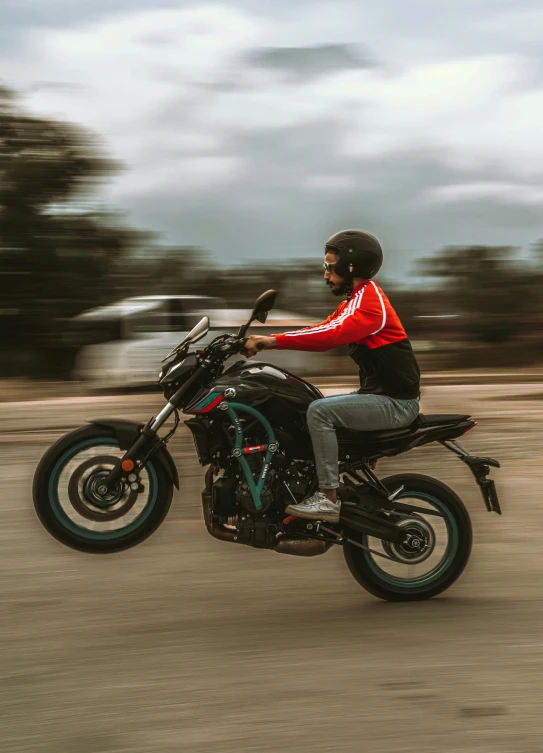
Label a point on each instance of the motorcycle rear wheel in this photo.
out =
(399, 581)
(69, 507)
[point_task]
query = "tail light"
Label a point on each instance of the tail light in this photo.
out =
(470, 427)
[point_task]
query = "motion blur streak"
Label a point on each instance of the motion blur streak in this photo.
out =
(159, 162)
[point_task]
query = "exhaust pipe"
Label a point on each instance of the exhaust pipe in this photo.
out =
(302, 547)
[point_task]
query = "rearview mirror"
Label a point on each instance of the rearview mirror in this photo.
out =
(264, 304)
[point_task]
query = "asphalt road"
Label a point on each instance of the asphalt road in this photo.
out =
(190, 644)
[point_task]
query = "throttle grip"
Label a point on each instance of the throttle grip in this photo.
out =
(243, 341)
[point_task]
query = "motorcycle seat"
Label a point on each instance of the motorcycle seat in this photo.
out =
(421, 422)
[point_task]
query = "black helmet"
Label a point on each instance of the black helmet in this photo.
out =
(360, 254)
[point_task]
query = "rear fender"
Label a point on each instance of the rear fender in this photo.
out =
(127, 432)
(427, 435)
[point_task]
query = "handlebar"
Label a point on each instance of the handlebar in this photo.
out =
(233, 344)
(259, 347)
(226, 345)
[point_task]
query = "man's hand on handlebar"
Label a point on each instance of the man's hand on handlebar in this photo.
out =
(254, 343)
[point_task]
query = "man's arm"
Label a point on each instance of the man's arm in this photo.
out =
(363, 315)
(259, 342)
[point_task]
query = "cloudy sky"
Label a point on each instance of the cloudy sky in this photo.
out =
(258, 128)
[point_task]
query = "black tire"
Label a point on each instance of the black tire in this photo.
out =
(381, 584)
(56, 520)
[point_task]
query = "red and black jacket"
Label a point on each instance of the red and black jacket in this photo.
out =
(378, 342)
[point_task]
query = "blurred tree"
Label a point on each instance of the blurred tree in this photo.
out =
(56, 252)
(496, 294)
(60, 255)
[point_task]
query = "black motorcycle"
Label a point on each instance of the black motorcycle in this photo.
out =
(107, 486)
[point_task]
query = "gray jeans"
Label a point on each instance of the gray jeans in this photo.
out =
(352, 411)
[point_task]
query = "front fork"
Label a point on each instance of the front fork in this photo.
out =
(132, 459)
(148, 440)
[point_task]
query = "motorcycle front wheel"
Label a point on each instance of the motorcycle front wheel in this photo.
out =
(442, 535)
(69, 505)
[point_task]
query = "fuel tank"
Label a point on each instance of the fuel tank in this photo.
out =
(280, 396)
(256, 384)
(257, 381)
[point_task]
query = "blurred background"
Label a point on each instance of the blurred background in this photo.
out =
(212, 149)
(161, 161)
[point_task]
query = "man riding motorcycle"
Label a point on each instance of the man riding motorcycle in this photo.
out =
(389, 392)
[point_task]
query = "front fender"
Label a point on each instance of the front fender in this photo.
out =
(127, 432)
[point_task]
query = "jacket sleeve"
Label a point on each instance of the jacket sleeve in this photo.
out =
(362, 316)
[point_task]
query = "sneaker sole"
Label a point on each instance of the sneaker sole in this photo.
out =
(327, 517)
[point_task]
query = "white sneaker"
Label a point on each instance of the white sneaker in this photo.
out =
(316, 507)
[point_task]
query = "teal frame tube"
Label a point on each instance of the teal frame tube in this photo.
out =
(255, 489)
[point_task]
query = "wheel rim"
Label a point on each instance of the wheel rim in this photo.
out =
(423, 573)
(122, 513)
(84, 496)
(421, 545)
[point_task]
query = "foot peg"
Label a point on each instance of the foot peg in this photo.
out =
(392, 497)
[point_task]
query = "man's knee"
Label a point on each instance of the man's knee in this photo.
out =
(317, 415)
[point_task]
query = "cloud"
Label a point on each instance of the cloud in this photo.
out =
(328, 182)
(247, 125)
(310, 62)
(502, 192)
(514, 25)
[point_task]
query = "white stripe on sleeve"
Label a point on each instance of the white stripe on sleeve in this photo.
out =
(382, 307)
(353, 305)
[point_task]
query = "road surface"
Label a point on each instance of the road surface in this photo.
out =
(190, 644)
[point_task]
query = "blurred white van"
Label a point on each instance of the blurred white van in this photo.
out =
(122, 345)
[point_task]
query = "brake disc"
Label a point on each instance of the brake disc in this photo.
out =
(84, 496)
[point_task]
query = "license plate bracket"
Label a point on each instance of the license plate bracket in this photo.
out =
(490, 495)
(480, 467)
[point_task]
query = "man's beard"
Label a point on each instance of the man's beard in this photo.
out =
(338, 290)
